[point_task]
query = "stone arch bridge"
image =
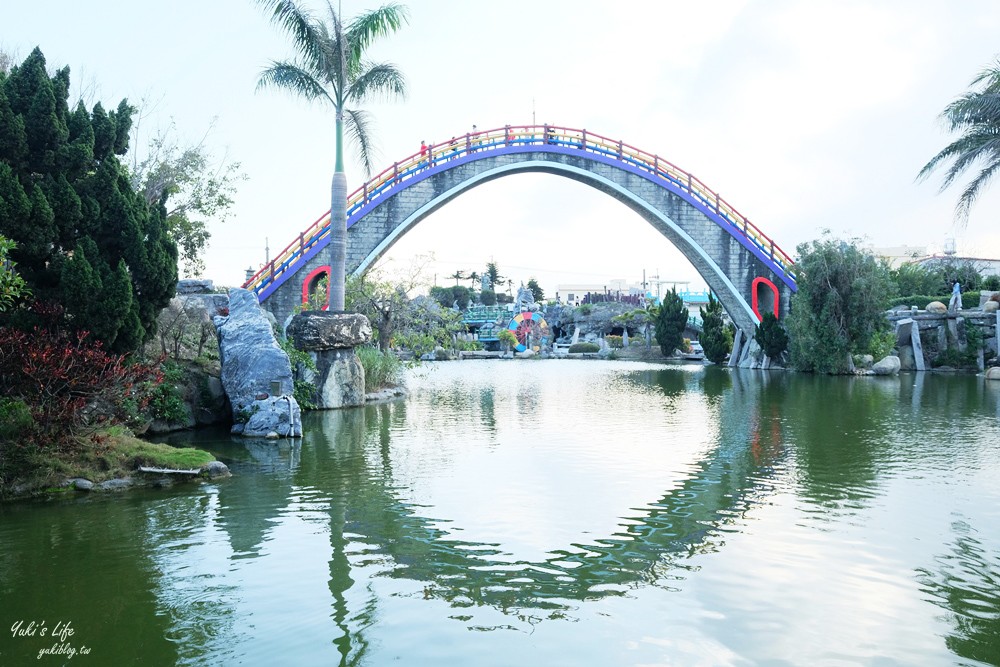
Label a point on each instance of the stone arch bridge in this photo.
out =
(750, 274)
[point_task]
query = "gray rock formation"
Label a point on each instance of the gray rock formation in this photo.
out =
(252, 361)
(936, 307)
(330, 339)
(280, 415)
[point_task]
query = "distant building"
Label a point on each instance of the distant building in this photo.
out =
(901, 254)
(986, 266)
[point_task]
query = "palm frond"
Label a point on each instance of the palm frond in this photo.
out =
(359, 128)
(297, 22)
(378, 81)
(293, 78)
(369, 27)
(973, 190)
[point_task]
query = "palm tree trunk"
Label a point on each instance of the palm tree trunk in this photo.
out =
(338, 224)
(338, 240)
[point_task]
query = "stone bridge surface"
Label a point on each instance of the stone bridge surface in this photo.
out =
(744, 268)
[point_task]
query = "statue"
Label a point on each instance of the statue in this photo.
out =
(525, 299)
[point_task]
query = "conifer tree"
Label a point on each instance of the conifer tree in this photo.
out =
(670, 323)
(84, 237)
(715, 340)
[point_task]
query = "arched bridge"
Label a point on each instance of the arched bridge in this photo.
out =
(742, 265)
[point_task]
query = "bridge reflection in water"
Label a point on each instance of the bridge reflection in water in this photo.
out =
(572, 508)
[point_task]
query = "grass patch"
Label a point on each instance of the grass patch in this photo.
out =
(106, 454)
(382, 369)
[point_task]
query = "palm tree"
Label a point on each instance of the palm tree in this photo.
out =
(976, 114)
(330, 67)
(458, 275)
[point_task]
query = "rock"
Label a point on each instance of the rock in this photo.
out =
(888, 366)
(993, 373)
(216, 469)
(340, 380)
(115, 484)
(864, 361)
(991, 306)
(82, 484)
(527, 354)
(192, 286)
(907, 362)
(278, 414)
(251, 361)
(937, 308)
(317, 330)
(271, 435)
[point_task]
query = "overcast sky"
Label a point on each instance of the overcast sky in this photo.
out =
(803, 115)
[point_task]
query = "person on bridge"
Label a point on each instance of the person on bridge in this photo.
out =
(423, 149)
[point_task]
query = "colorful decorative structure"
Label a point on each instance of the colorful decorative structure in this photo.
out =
(531, 330)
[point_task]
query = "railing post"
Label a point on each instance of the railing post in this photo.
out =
(545, 133)
(656, 165)
(395, 173)
(619, 149)
(584, 145)
(468, 143)
(506, 135)
(302, 243)
(365, 186)
(716, 202)
(689, 181)
(271, 277)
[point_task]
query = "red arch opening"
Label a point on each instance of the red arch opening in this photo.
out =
(309, 284)
(761, 298)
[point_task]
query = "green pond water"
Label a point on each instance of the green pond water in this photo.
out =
(547, 513)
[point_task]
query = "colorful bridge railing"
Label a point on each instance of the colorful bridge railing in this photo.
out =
(517, 139)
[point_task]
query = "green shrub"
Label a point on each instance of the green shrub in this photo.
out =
(614, 342)
(382, 369)
(585, 309)
(882, 344)
(771, 336)
(15, 418)
(584, 347)
(166, 403)
(507, 338)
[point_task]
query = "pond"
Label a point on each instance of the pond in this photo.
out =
(547, 513)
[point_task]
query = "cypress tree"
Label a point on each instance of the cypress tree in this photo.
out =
(715, 340)
(671, 320)
(85, 237)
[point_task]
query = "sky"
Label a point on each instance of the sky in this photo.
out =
(805, 116)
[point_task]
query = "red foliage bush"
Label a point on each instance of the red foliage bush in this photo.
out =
(60, 375)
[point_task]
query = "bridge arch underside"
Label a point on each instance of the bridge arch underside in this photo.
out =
(725, 262)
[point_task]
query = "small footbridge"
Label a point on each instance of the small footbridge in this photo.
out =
(742, 265)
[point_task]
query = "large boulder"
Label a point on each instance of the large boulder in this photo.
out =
(993, 373)
(252, 361)
(887, 366)
(991, 307)
(330, 339)
(937, 308)
(318, 330)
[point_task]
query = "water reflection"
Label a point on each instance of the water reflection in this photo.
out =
(485, 495)
(966, 583)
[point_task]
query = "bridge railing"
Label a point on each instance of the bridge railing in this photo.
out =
(516, 137)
